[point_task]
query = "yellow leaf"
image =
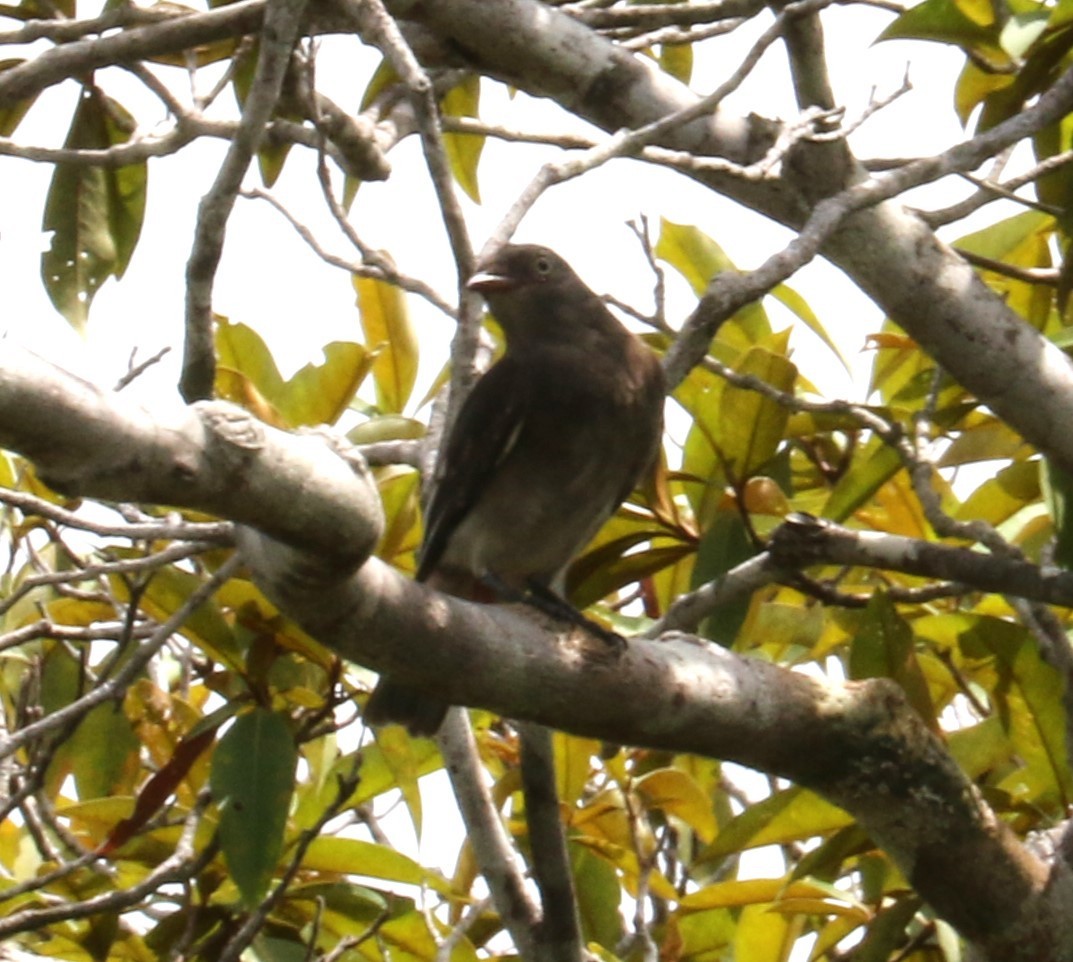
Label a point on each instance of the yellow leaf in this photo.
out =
(464, 150)
(354, 856)
(389, 335)
(678, 794)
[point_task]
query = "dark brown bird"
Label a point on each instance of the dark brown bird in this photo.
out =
(546, 446)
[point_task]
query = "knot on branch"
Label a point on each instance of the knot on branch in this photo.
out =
(801, 540)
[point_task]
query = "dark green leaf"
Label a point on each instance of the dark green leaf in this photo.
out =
(93, 213)
(725, 544)
(252, 782)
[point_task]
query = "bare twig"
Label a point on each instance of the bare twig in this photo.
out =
(280, 32)
(130, 670)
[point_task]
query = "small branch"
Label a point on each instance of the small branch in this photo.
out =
(492, 847)
(278, 37)
(729, 292)
(628, 143)
(558, 935)
(182, 863)
(373, 264)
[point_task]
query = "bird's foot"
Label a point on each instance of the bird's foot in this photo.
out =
(548, 602)
(541, 597)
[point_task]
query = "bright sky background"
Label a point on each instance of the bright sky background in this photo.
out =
(270, 280)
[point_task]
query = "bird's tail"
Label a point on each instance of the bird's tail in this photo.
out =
(392, 702)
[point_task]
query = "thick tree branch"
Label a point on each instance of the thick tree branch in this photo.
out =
(213, 457)
(858, 744)
(888, 251)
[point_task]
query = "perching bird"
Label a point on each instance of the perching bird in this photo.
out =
(546, 446)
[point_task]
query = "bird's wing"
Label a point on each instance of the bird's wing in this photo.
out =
(482, 436)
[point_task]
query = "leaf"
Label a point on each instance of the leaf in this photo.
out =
(247, 374)
(946, 21)
(883, 647)
(974, 86)
(1020, 241)
(355, 856)
(876, 465)
(162, 783)
(1058, 489)
(698, 258)
(170, 589)
(677, 60)
(787, 816)
(750, 426)
(400, 756)
(762, 935)
(93, 213)
(104, 752)
(793, 301)
(725, 544)
(271, 156)
(761, 891)
(390, 338)
(1030, 696)
(984, 438)
(252, 782)
(999, 498)
(573, 766)
(676, 793)
(598, 897)
(464, 150)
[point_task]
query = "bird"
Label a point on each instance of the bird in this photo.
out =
(550, 441)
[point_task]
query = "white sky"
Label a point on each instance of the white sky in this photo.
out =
(270, 280)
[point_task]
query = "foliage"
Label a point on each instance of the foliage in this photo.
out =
(235, 758)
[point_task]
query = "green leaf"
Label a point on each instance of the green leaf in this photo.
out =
(104, 752)
(883, 647)
(598, 897)
(984, 438)
(873, 468)
(965, 23)
(1058, 490)
(762, 935)
(93, 213)
(1029, 695)
(999, 498)
(788, 816)
(677, 60)
(698, 258)
(355, 856)
(725, 543)
(464, 150)
(750, 426)
(252, 782)
(1019, 241)
(793, 301)
(247, 374)
(271, 156)
(390, 338)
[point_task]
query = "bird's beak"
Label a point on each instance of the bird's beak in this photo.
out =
(486, 280)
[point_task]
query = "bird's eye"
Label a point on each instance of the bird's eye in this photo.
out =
(543, 265)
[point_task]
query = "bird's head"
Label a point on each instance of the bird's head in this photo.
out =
(535, 296)
(525, 268)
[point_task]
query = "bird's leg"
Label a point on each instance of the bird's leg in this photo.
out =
(544, 599)
(549, 602)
